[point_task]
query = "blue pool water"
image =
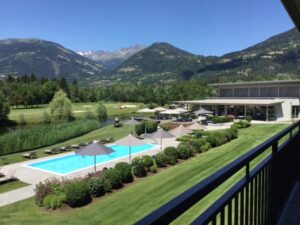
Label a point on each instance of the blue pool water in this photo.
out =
(71, 163)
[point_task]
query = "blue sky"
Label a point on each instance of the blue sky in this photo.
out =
(208, 27)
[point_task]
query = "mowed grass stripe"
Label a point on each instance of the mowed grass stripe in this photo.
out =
(136, 201)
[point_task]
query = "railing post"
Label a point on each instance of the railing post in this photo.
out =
(273, 185)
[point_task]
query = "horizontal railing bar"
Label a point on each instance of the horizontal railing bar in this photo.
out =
(175, 207)
(213, 210)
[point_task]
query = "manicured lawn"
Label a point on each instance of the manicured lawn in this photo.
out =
(135, 201)
(35, 115)
(11, 186)
(106, 132)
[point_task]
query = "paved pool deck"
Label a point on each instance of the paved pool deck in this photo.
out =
(33, 176)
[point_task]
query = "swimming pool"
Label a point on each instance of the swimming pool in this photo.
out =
(71, 163)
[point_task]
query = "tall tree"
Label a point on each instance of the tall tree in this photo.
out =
(65, 86)
(75, 92)
(4, 107)
(60, 106)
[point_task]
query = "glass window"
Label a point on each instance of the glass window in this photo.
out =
(226, 92)
(269, 92)
(288, 92)
(254, 92)
(241, 92)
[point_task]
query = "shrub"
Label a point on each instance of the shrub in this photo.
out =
(78, 194)
(171, 160)
(248, 118)
(114, 177)
(185, 138)
(171, 152)
(139, 170)
(185, 150)
(101, 111)
(147, 162)
(45, 188)
(217, 138)
(242, 124)
(161, 160)
(220, 119)
(125, 172)
(153, 169)
(98, 186)
(205, 147)
(54, 201)
(136, 161)
(151, 126)
(197, 144)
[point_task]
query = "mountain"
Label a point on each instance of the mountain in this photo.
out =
(275, 58)
(112, 59)
(45, 58)
(158, 62)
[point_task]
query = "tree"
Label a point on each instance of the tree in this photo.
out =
(4, 107)
(64, 86)
(75, 92)
(60, 106)
(101, 111)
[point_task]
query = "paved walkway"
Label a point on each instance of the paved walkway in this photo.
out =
(33, 176)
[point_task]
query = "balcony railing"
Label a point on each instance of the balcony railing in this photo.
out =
(270, 171)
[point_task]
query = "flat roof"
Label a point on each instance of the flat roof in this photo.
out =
(228, 101)
(255, 83)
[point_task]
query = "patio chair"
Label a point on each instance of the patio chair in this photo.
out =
(8, 177)
(30, 155)
(52, 151)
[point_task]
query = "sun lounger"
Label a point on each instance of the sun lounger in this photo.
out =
(8, 177)
(30, 155)
(52, 151)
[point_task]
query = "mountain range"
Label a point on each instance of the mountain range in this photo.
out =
(112, 59)
(275, 58)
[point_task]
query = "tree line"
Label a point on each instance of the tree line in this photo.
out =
(30, 91)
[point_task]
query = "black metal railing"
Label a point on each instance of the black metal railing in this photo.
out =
(257, 198)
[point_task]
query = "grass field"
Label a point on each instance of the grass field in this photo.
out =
(136, 201)
(106, 132)
(35, 115)
(11, 186)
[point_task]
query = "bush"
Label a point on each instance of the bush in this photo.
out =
(147, 162)
(114, 177)
(98, 186)
(78, 194)
(125, 172)
(153, 169)
(248, 118)
(139, 170)
(220, 119)
(151, 126)
(185, 138)
(197, 144)
(205, 147)
(54, 201)
(242, 124)
(171, 160)
(45, 188)
(101, 111)
(171, 152)
(217, 138)
(161, 160)
(34, 137)
(185, 151)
